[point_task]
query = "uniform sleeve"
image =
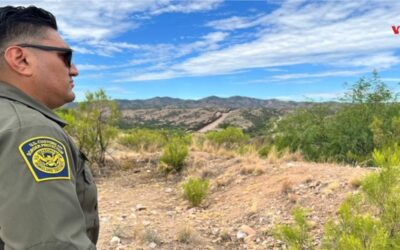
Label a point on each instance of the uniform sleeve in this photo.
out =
(39, 207)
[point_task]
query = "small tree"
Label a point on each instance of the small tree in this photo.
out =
(92, 124)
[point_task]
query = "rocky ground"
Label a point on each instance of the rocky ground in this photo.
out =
(142, 209)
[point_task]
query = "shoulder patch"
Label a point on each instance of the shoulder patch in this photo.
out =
(46, 158)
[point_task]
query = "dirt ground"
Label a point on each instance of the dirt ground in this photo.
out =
(142, 209)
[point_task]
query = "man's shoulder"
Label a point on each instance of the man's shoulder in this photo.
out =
(15, 115)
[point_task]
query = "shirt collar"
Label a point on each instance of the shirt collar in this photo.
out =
(10, 92)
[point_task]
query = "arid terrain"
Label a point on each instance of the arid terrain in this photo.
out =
(142, 209)
(192, 115)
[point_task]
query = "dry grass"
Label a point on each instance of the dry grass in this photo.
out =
(287, 187)
(331, 188)
(151, 235)
(207, 173)
(275, 157)
(187, 235)
(293, 198)
(224, 234)
(223, 181)
(356, 182)
(287, 156)
(252, 164)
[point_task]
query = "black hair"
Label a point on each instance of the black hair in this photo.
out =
(19, 23)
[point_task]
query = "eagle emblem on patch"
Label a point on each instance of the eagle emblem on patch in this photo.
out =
(46, 158)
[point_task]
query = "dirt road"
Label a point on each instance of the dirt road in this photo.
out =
(214, 124)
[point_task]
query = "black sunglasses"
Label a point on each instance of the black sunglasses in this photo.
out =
(65, 52)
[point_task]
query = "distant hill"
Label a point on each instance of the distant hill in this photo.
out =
(234, 102)
(165, 112)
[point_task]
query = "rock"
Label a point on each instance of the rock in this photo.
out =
(248, 230)
(168, 190)
(115, 241)
(192, 210)
(152, 245)
(291, 164)
(140, 207)
(241, 235)
(214, 231)
(171, 213)
(104, 219)
(146, 223)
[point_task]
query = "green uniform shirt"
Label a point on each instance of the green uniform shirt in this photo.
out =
(48, 199)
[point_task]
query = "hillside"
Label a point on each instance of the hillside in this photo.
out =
(193, 115)
(235, 102)
(140, 209)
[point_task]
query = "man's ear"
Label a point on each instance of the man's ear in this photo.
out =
(19, 60)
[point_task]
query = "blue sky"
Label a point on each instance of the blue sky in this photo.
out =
(190, 49)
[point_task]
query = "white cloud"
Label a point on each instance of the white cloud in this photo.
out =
(187, 6)
(119, 91)
(319, 75)
(323, 96)
(356, 35)
(234, 23)
(319, 97)
(397, 80)
(82, 67)
(81, 20)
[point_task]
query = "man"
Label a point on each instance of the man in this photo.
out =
(48, 199)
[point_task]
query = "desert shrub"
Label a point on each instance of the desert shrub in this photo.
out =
(144, 139)
(93, 124)
(229, 138)
(304, 129)
(264, 149)
(187, 235)
(355, 229)
(151, 139)
(371, 219)
(198, 141)
(296, 235)
(174, 154)
(367, 118)
(194, 190)
(151, 235)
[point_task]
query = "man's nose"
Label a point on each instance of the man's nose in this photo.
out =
(73, 71)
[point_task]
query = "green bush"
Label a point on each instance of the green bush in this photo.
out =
(174, 154)
(305, 130)
(355, 229)
(194, 190)
(229, 138)
(295, 236)
(367, 118)
(151, 139)
(371, 219)
(144, 139)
